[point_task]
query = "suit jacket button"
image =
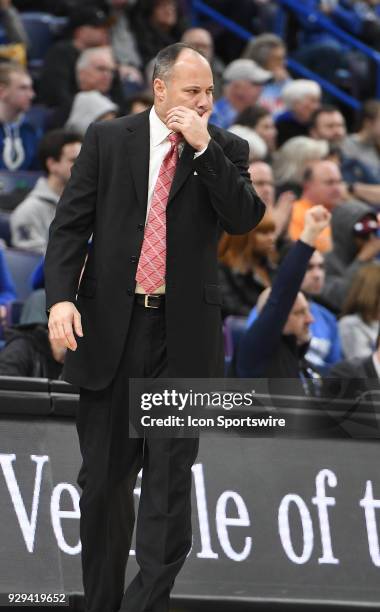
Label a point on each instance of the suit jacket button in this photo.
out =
(129, 291)
(140, 227)
(133, 259)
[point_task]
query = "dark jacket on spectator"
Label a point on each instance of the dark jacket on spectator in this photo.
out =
(289, 127)
(150, 39)
(264, 351)
(27, 353)
(240, 291)
(58, 83)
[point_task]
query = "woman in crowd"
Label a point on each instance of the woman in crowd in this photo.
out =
(246, 266)
(156, 24)
(359, 324)
(260, 120)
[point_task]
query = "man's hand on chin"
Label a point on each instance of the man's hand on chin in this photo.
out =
(192, 126)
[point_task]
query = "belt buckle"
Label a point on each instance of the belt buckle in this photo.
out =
(146, 304)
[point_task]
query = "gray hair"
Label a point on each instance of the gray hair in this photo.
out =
(88, 55)
(258, 149)
(259, 49)
(296, 90)
(291, 159)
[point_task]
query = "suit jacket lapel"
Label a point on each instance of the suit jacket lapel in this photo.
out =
(138, 144)
(184, 167)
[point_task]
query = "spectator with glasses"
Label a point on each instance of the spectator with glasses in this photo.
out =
(281, 207)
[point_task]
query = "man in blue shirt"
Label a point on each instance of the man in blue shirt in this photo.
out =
(18, 137)
(324, 349)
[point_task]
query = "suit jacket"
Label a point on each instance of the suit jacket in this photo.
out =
(106, 197)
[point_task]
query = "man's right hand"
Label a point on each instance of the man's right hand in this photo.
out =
(64, 321)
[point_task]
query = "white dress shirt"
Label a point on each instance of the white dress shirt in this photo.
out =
(159, 148)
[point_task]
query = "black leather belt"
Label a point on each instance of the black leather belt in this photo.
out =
(150, 300)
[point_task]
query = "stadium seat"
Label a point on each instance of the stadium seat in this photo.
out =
(14, 187)
(23, 180)
(42, 29)
(14, 312)
(5, 230)
(21, 265)
(34, 309)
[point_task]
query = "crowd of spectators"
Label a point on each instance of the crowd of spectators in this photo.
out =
(306, 280)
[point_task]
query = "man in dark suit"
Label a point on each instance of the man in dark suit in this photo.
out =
(153, 190)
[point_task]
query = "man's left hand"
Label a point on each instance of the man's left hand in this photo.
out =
(192, 126)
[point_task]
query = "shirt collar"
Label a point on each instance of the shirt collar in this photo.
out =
(158, 130)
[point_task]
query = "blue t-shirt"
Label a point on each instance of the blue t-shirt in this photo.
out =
(325, 348)
(223, 114)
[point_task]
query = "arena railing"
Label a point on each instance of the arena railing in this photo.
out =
(201, 8)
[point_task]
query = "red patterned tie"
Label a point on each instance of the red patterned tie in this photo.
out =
(151, 268)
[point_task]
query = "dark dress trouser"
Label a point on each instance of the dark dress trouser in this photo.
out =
(111, 462)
